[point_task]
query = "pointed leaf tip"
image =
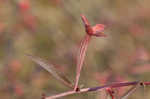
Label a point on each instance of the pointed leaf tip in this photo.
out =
(130, 91)
(85, 20)
(51, 69)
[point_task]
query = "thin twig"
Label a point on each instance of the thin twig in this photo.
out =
(80, 58)
(99, 88)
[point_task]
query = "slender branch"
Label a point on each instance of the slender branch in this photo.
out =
(90, 31)
(99, 88)
(80, 58)
(68, 93)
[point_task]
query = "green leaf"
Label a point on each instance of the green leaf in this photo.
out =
(51, 69)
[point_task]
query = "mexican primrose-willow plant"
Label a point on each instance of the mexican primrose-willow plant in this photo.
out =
(97, 31)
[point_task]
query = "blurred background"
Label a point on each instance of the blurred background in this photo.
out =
(52, 30)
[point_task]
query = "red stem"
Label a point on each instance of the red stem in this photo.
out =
(80, 58)
(99, 88)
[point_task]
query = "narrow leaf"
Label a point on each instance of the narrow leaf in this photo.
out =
(130, 91)
(51, 69)
(85, 21)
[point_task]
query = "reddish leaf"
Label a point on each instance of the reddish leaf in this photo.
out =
(85, 20)
(98, 28)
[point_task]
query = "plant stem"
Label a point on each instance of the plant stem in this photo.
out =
(80, 58)
(99, 88)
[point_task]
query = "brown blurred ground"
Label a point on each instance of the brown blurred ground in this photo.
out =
(52, 29)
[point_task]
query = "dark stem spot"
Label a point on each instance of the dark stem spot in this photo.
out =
(78, 89)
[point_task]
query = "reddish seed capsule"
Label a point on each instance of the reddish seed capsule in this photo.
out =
(95, 30)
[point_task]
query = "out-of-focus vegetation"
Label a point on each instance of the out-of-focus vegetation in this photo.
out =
(52, 29)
